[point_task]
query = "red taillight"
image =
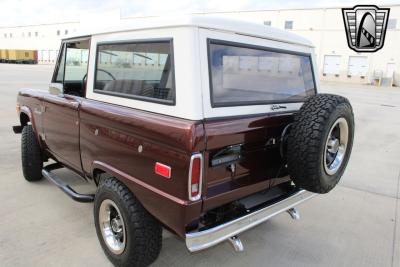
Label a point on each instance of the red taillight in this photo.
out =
(162, 170)
(195, 174)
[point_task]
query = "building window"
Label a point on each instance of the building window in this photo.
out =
(288, 24)
(23, 34)
(58, 32)
(10, 35)
(29, 34)
(392, 23)
(267, 22)
(36, 34)
(5, 35)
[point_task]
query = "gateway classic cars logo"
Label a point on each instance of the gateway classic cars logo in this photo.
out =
(365, 27)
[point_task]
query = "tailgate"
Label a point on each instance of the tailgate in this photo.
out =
(242, 157)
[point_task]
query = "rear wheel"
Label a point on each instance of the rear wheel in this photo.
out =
(128, 234)
(31, 155)
(320, 142)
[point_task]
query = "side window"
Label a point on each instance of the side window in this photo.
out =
(71, 68)
(288, 24)
(141, 70)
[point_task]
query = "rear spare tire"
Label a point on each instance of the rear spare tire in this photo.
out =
(320, 142)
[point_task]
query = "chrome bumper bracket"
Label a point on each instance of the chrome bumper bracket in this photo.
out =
(294, 213)
(236, 243)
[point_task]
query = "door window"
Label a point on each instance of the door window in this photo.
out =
(76, 61)
(72, 67)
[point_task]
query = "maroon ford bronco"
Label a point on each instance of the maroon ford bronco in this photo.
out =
(203, 126)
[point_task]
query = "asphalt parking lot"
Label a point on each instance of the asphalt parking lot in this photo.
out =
(357, 224)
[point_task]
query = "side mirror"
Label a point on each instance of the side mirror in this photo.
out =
(56, 88)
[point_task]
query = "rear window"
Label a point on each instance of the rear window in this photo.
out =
(139, 70)
(242, 75)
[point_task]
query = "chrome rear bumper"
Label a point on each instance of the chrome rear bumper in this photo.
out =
(199, 240)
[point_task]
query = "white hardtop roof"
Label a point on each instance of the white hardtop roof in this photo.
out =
(201, 21)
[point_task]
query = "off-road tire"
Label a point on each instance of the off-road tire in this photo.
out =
(31, 155)
(143, 232)
(307, 139)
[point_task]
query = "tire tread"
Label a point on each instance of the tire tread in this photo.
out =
(147, 232)
(306, 138)
(31, 155)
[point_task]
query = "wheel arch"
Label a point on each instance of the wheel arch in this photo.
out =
(101, 169)
(96, 175)
(173, 214)
(24, 119)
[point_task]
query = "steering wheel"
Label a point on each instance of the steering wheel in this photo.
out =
(106, 72)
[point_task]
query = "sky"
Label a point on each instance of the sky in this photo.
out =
(31, 12)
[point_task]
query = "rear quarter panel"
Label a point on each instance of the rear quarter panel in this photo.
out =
(124, 124)
(110, 138)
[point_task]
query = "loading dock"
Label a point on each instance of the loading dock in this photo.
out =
(358, 66)
(332, 64)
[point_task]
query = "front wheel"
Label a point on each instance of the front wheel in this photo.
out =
(320, 142)
(128, 234)
(31, 155)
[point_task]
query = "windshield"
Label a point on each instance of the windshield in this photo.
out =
(251, 76)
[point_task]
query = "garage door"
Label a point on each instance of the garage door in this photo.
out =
(358, 66)
(332, 65)
(390, 68)
(52, 55)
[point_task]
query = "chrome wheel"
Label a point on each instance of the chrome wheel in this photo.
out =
(112, 226)
(335, 146)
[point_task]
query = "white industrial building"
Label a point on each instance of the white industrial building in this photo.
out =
(323, 26)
